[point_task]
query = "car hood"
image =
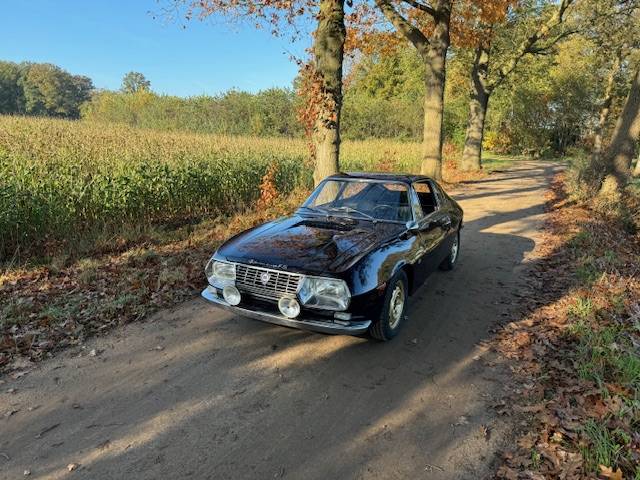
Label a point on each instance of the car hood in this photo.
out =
(309, 244)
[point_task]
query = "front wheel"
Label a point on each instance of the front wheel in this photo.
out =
(393, 313)
(450, 262)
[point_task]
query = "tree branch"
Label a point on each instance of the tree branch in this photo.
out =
(536, 50)
(421, 6)
(528, 45)
(402, 25)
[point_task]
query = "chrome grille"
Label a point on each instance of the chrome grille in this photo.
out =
(250, 279)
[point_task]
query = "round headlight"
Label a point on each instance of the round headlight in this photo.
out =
(325, 293)
(289, 307)
(231, 295)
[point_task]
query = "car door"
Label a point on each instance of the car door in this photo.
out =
(446, 218)
(430, 232)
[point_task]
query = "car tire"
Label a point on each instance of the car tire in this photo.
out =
(393, 313)
(451, 260)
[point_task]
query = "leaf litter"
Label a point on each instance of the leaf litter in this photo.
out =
(580, 418)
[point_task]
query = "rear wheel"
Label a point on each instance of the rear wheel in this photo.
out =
(393, 313)
(450, 262)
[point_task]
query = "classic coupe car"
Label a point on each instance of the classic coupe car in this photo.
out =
(346, 261)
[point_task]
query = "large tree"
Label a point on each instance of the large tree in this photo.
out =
(614, 26)
(427, 27)
(49, 90)
(619, 155)
(324, 71)
(328, 55)
(431, 26)
(134, 82)
(494, 62)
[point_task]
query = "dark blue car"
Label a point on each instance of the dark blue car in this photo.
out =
(346, 261)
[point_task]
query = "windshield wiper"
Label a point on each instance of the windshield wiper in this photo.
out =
(312, 209)
(354, 210)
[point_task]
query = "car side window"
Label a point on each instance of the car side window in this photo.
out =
(426, 197)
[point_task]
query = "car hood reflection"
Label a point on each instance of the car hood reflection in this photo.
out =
(309, 244)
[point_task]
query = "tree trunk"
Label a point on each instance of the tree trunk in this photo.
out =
(605, 108)
(636, 171)
(433, 51)
(620, 153)
(478, 103)
(328, 50)
(435, 62)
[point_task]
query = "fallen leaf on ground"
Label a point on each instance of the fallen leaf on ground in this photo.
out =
(608, 472)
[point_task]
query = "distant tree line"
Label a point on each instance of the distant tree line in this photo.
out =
(551, 108)
(41, 89)
(266, 113)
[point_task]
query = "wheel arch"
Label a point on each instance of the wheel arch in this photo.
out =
(409, 271)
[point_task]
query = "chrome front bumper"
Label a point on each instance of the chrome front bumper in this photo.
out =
(353, 328)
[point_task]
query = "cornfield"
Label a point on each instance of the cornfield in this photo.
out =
(62, 182)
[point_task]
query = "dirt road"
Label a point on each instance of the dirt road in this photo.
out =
(202, 394)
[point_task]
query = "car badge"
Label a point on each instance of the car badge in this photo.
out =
(265, 277)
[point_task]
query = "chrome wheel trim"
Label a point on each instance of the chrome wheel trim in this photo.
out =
(396, 305)
(454, 250)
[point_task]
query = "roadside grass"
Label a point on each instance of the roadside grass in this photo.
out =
(494, 161)
(604, 324)
(606, 445)
(585, 341)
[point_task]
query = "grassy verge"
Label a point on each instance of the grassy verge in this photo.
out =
(577, 351)
(494, 161)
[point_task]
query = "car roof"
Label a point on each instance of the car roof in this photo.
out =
(381, 176)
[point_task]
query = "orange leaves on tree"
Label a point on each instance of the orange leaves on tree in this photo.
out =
(364, 34)
(472, 21)
(276, 14)
(317, 103)
(268, 189)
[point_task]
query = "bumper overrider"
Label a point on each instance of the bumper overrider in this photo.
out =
(323, 325)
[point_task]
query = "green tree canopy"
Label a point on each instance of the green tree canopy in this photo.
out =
(134, 82)
(42, 89)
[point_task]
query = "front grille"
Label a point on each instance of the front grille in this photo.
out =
(251, 279)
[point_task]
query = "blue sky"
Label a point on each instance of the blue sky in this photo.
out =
(104, 39)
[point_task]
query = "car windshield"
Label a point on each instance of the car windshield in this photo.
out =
(373, 200)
